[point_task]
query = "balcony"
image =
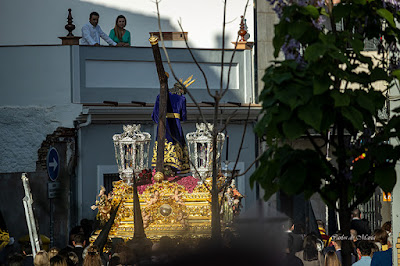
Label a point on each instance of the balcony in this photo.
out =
(57, 75)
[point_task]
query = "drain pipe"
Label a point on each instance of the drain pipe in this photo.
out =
(79, 183)
(255, 51)
(88, 122)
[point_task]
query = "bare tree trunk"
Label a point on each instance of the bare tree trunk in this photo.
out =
(344, 211)
(347, 247)
(215, 217)
(215, 206)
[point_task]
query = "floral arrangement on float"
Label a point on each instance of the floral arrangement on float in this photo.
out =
(146, 178)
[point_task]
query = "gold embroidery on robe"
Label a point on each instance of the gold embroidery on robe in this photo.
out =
(4, 238)
(174, 156)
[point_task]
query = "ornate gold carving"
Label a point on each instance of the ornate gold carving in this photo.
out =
(168, 209)
(103, 204)
(156, 211)
(153, 40)
(158, 176)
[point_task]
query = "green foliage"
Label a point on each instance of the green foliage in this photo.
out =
(328, 90)
(293, 171)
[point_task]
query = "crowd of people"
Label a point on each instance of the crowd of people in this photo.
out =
(92, 32)
(324, 250)
(297, 248)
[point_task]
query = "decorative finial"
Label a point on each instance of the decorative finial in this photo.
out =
(242, 32)
(153, 40)
(69, 27)
(158, 177)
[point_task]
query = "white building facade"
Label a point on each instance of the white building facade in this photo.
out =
(59, 96)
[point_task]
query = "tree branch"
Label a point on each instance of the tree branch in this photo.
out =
(229, 180)
(228, 120)
(222, 52)
(170, 66)
(323, 157)
(233, 55)
(250, 166)
(195, 61)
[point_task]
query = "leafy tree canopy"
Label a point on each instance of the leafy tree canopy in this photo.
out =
(327, 86)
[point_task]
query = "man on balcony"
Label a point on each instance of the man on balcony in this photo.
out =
(91, 32)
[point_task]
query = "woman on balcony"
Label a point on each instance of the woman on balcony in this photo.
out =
(119, 34)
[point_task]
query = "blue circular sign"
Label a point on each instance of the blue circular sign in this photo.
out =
(53, 164)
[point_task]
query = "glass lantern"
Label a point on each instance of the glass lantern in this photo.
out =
(200, 150)
(131, 151)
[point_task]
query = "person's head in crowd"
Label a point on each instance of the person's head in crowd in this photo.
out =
(72, 259)
(53, 251)
(74, 231)
(289, 225)
(299, 229)
(114, 261)
(42, 259)
(123, 256)
(336, 241)
(381, 236)
(353, 235)
(374, 248)
(58, 261)
(356, 213)
(387, 226)
(364, 248)
(94, 18)
(78, 240)
(120, 24)
(87, 226)
(331, 259)
(15, 259)
(129, 256)
(166, 243)
(390, 241)
(117, 244)
(321, 224)
(310, 247)
(64, 252)
(92, 257)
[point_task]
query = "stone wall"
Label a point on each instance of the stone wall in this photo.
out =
(57, 213)
(22, 131)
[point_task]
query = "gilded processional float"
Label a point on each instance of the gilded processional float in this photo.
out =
(169, 201)
(179, 206)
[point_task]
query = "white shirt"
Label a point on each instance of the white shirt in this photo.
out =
(91, 35)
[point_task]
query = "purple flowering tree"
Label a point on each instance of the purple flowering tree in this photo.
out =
(326, 89)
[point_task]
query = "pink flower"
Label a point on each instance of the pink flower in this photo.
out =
(189, 182)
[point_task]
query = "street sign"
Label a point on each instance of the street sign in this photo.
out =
(53, 190)
(53, 164)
